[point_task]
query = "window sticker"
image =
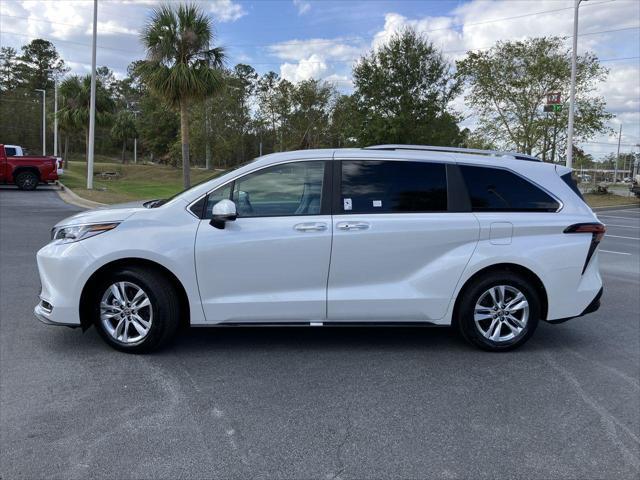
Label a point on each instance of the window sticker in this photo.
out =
(348, 205)
(377, 203)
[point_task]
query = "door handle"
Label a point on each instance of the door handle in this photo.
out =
(311, 227)
(352, 225)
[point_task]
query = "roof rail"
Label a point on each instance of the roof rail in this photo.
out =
(474, 151)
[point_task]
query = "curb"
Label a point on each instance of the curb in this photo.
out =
(69, 196)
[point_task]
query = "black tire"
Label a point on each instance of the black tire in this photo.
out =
(471, 294)
(27, 180)
(165, 308)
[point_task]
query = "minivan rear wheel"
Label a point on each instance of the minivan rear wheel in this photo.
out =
(136, 310)
(498, 311)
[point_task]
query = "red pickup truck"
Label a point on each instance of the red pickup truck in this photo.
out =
(27, 171)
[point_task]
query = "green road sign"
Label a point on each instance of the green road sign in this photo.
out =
(553, 108)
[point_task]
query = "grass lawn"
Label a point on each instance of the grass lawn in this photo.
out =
(133, 182)
(610, 199)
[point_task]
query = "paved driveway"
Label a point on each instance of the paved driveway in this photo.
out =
(316, 402)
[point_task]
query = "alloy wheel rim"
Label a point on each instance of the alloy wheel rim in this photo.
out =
(501, 313)
(126, 313)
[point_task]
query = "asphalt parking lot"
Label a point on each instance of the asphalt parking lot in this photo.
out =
(315, 402)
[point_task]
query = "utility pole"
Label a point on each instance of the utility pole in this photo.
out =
(55, 116)
(44, 120)
(572, 94)
(615, 169)
(135, 149)
(92, 107)
(135, 139)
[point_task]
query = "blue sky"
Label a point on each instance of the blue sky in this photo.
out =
(302, 39)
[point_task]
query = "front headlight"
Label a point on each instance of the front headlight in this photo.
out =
(76, 233)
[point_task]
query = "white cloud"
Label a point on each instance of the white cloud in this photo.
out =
(317, 58)
(225, 10)
(334, 49)
(305, 69)
(302, 6)
(340, 81)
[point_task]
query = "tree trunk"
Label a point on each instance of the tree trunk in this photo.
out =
(66, 152)
(124, 152)
(207, 136)
(184, 136)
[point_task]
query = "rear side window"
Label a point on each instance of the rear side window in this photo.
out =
(498, 190)
(372, 186)
(10, 151)
(568, 179)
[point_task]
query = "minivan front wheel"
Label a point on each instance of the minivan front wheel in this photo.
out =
(498, 312)
(136, 310)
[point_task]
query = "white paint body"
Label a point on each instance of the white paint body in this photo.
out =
(403, 267)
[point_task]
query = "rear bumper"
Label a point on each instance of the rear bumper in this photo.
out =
(592, 307)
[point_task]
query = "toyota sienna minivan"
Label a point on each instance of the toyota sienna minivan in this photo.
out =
(491, 243)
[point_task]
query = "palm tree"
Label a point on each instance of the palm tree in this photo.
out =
(180, 64)
(124, 127)
(75, 93)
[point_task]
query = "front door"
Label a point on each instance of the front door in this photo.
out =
(271, 264)
(398, 251)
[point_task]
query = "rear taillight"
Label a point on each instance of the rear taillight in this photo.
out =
(597, 231)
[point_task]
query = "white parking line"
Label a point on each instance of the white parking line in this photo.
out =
(613, 216)
(618, 236)
(621, 226)
(617, 253)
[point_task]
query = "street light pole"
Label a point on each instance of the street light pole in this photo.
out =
(92, 107)
(55, 116)
(572, 94)
(44, 120)
(135, 139)
(615, 169)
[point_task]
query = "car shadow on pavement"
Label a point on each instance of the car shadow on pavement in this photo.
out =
(196, 340)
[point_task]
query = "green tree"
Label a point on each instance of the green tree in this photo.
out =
(344, 122)
(402, 92)
(124, 128)
(266, 91)
(507, 88)
(9, 76)
(312, 102)
(180, 64)
(39, 64)
(75, 96)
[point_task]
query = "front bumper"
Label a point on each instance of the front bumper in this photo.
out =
(63, 269)
(43, 314)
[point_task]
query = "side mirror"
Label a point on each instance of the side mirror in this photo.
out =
(223, 211)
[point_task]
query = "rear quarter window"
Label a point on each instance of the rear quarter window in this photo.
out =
(571, 183)
(499, 190)
(10, 151)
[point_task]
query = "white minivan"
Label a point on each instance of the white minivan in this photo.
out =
(488, 242)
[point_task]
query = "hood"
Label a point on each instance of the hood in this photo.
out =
(111, 213)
